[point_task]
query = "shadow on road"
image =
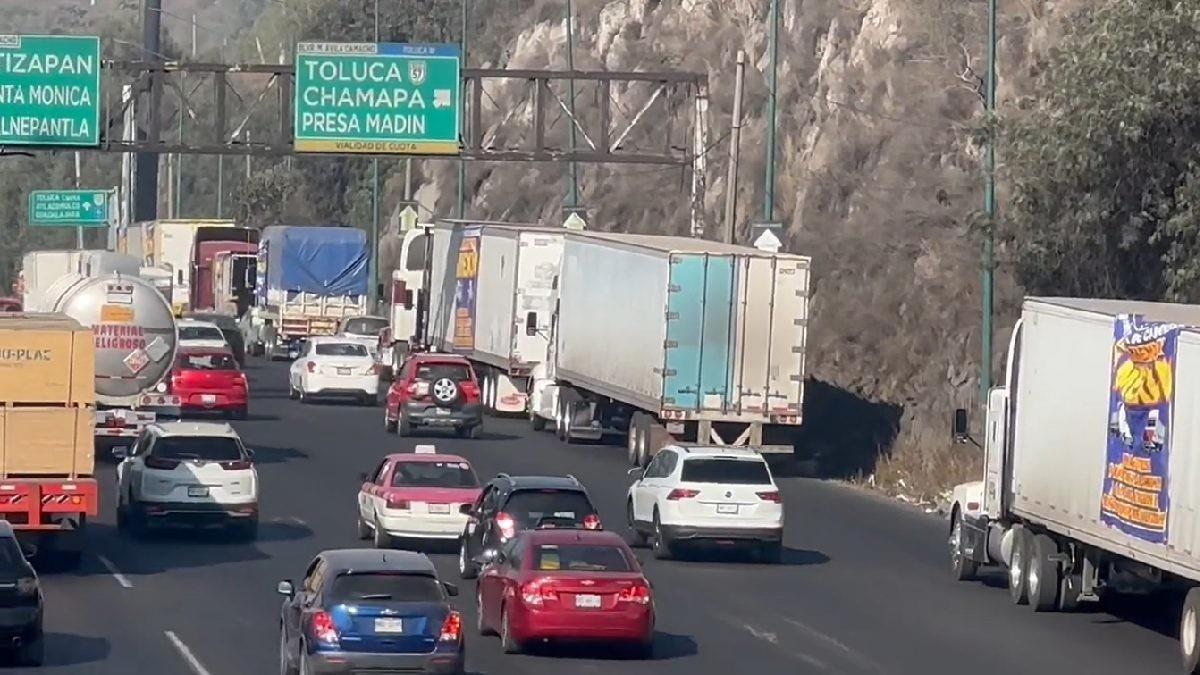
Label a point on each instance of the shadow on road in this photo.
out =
(64, 649)
(796, 557)
(169, 549)
(266, 454)
(1158, 612)
(667, 646)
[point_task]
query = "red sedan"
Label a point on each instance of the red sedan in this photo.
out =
(207, 379)
(572, 585)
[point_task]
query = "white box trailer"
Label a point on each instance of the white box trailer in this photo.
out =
(488, 279)
(1091, 460)
(669, 338)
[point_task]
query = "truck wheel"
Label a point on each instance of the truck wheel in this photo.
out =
(1018, 567)
(536, 421)
(559, 419)
(1069, 591)
(632, 438)
(569, 422)
(1043, 574)
(961, 567)
(1189, 632)
(643, 440)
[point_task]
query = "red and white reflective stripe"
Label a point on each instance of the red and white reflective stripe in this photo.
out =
(55, 499)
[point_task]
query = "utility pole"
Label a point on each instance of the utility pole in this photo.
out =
(178, 210)
(735, 139)
(772, 108)
(573, 200)
(462, 165)
(373, 267)
(78, 229)
(145, 205)
(989, 209)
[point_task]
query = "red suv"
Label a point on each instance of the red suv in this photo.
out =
(207, 379)
(434, 390)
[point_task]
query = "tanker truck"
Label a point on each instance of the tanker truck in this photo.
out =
(135, 340)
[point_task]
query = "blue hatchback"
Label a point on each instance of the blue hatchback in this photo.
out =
(372, 610)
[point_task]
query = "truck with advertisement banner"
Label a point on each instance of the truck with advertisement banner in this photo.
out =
(309, 279)
(1089, 463)
(487, 279)
(48, 489)
(660, 339)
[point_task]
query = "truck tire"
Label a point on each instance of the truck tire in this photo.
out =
(1189, 632)
(643, 440)
(1018, 566)
(572, 411)
(633, 438)
(962, 568)
(1043, 576)
(536, 421)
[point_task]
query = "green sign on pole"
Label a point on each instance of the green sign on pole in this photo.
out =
(49, 90)
(377, 98)
(78, 208)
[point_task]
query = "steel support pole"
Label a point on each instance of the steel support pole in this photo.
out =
(373, 268)
(145, 202)
(735, 141)
(462, 165)
(772, 113)
(989, 209)
(573, 199)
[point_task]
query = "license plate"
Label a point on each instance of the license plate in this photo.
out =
(587, 601)
(208, 399)
(727, 508)
(197, 492)
(344, 371)
(439, 508)
(389, 626)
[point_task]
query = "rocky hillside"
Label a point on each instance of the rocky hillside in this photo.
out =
(878, 180)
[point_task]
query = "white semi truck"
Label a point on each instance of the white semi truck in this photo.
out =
(1090, 461)
(488, 280)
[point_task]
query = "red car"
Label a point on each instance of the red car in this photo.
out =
(565, 584)
(434, 390)
(207, 379)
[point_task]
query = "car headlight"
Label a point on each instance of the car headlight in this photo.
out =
(161, 388)
(27, 586)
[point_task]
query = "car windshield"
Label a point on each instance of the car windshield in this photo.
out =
(207, 448)
(200, 333)
(365, 326)
(527, 507)
(579, 558)
(735, 471)
(459, 372)
(340, 349)
(205, 361)
(393, 586)
(434, 475)
(12, 561)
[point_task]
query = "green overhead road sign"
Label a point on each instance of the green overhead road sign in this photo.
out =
(79, 208)
(377, 98)
(50, 90)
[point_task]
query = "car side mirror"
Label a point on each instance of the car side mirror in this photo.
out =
(120, 452)
(531, 327)
(636, 471)
(250, 453)
(958, 428)
(489, 556)
(451, 589)
(286, 589)
(466, 509)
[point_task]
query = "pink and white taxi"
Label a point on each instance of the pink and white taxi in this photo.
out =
(416, 495)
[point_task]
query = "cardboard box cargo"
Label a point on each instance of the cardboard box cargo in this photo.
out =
(46, 358)
(47, 441)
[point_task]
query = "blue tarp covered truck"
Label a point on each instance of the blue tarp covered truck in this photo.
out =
(309, 278)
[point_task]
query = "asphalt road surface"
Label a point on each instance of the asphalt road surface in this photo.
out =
(864, 588)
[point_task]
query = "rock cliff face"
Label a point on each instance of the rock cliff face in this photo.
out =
(878, 180)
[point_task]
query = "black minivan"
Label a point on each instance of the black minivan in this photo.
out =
(20, 602)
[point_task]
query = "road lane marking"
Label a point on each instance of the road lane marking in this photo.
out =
(773, 639)
(116, 573)
(193, 662)
(862, 661)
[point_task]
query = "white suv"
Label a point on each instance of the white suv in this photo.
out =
(196, 473)
(706, 493)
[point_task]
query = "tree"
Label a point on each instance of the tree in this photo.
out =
(1103, 161)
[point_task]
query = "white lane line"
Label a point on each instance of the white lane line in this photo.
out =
(193, 662)
(859, 659)
(773, 639)
(116, 573)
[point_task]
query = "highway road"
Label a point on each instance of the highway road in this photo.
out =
(864, 588)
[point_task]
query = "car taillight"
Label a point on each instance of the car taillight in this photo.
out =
(536, 593)
(153, 462)
(322, 629)
(451, 628)
(240, 379)
(508, 526)
(639, 594)
(394, 502)
(374, 369)
(312, 366)
(681, 493)
(239, 465)
(770, 496)
(591, 522)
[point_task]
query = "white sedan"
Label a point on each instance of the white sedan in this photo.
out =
(334, 367)
(194, 333)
